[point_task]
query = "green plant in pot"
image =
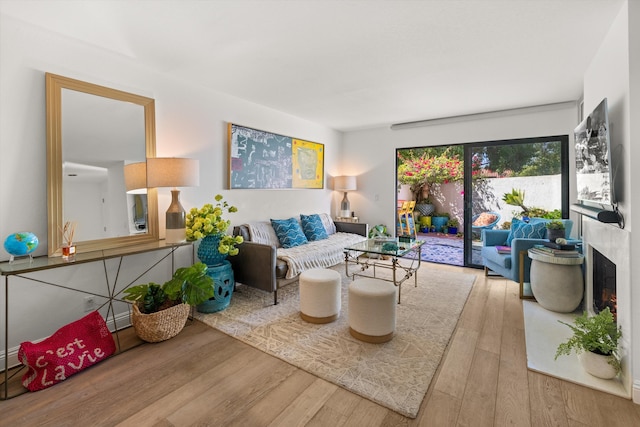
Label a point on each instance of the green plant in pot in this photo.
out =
(555, 230)
(160, 311)
(595, 340)
(453, 225)
(208, 225)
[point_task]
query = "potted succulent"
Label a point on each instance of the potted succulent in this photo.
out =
(595, 340)
(453, 226)
(159, 312)
(555, 230)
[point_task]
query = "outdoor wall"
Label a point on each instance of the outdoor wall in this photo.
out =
(541, 192)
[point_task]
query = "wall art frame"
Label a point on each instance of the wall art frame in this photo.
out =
(264, 160)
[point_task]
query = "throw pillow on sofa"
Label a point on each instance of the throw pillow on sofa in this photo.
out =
(526, 230)
(289, 232)
(313, 228)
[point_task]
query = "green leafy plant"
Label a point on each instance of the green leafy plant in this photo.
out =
(598, 334)
(516, 198)
(453, 223)
(555, 225)
(208, 220)
(189, 285)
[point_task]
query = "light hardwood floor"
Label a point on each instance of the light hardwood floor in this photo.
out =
(205, 378)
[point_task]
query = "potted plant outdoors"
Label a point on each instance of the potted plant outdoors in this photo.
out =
(208, 225)
(595, 340)
(440, 220)
(160, 312)
(453, 226)
(420, 172)
(555, 230)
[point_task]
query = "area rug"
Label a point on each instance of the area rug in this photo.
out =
(395, 374)
(445, 250)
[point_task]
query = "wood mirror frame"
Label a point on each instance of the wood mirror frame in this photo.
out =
(54, 86)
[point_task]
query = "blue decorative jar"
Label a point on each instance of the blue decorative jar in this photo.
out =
(223, 283)
(208, 250)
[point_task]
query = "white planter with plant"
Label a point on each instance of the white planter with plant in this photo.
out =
(595, 340)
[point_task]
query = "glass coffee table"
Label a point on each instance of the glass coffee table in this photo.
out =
(384, 253)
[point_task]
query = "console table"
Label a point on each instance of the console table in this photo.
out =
(22, 269)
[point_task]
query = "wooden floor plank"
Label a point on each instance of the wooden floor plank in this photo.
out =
(547, 403)
(478, 403)
(204, 377)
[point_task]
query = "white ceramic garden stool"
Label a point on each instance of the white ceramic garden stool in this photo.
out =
(372, 310)
(320, 295)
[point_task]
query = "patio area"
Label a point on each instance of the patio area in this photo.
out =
(444, 248)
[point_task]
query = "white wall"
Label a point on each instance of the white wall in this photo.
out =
(370, 154)
(614, 73)
(190, 122)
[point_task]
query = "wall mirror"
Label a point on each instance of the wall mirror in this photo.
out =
(92, 133)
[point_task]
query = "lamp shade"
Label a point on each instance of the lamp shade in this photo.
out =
(135, 178)
(344, 183)
(172, 172)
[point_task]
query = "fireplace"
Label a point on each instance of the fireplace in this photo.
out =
(608, 282)
(607, 274)
(604, 284)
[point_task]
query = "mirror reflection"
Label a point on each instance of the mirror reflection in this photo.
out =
(93, 134)
(100, 136)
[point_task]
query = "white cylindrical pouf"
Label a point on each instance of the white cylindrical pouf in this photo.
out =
(320, 299)
(372, 310)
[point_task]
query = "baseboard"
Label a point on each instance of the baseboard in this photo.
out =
(122, 320)
(636, 392)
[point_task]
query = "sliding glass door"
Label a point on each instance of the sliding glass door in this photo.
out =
(464, 189)
(513, 179)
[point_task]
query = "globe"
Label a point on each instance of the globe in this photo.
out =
(21, 243)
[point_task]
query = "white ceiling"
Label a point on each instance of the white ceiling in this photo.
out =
(351, 64)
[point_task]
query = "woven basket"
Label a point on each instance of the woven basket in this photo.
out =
(162, 325)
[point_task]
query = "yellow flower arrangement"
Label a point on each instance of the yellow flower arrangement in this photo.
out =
(208, 221)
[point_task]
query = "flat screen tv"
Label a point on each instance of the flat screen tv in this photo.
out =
(593, 159)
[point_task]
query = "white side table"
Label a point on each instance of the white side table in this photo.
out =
(557, 282)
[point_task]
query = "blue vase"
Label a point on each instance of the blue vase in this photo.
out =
(208, 250)
(223, 282)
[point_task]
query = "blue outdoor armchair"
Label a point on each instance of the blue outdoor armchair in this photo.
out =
(508, 265)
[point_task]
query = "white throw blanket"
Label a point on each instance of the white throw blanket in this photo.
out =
(319, 254)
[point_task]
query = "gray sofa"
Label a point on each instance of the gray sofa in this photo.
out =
(267, 266)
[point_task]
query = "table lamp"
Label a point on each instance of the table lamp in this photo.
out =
(173, 172)
(135, 178)
(345, 183)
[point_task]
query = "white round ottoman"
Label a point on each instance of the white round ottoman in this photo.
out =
(372, 310)
(320, 298)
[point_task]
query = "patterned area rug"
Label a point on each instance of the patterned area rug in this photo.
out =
(396, 374)
(443, 249)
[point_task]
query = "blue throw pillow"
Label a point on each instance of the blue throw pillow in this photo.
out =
(313, 228)
(531, 230)
(289, 232)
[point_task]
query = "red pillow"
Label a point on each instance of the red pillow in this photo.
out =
(69, 350)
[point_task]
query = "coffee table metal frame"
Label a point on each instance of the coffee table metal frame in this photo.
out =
(353, 255)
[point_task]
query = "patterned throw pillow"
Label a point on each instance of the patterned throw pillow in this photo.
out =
(289, 232)
(313, 228)
(521, 229)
